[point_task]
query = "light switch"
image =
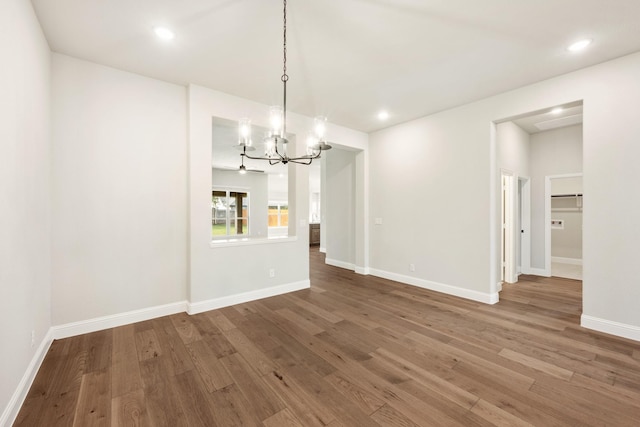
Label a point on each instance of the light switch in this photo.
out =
(378, 221)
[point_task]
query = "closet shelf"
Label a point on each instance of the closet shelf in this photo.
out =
(566, 209)
(567, 195)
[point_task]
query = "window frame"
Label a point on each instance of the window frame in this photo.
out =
(279, 205)
(236, 219)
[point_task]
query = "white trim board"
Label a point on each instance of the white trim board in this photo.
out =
(120, 319)
(10, 413)
(362, 270)
(487, 298)
(115, 320)
(610, 327)
(562, 260)
(226, 301)
(341, 264)
(536, 272)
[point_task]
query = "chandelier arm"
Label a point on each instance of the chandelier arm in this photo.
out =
(282, 156)
(308, 157)
(300, 161)
(257, 157)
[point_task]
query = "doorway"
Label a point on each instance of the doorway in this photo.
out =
(563, 225)
(523, 227)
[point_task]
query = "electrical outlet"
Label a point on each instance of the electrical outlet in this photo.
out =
(33, 338)
(378, 221)
(412, 267)
(272, 272)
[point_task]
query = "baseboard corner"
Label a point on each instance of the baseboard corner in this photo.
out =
(229, 300)
(12, 409)
(611, 327)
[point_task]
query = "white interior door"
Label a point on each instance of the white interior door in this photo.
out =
(509, 224)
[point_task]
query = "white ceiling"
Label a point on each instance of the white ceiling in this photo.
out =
(540, 121)
(347, 58)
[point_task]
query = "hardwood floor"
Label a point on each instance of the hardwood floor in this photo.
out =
(351, 351)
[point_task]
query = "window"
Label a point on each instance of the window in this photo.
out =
(278, 214)
(229, 213)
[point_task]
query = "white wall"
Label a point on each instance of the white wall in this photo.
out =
(24, 201)
(566, 242)
(430, 188)
(445, 168)
(553, 152)
(256, 185)
(513, 152)
(340, 220)
(119, 184)
(212, 284)
(278, 187)
(513, 147)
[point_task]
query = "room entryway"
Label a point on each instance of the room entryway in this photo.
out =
(564, 225)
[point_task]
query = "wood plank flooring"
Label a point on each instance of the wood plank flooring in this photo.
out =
(351, 351)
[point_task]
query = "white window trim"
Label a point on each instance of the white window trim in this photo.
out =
(229, 190)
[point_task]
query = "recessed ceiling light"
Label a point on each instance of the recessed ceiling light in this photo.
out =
(579, 45)
(164, 33)
(383, 115)
(557, 110)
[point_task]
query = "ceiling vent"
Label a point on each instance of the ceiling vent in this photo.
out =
(559, 122)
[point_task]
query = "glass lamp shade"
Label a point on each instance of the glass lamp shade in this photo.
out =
(244, 132)
(312, 143)
(320, 127)
(276, 121)
(270, 146)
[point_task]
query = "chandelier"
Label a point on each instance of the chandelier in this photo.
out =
(276, 139)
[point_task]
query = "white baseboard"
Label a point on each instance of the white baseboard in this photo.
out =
(215, 303)
(499, 286)
(487, 298)
(323, 249)
(562, 260)
(610, 327)
(536, 272)
(362, 270)
(115, 320)
(10, 413)
(341, 264)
